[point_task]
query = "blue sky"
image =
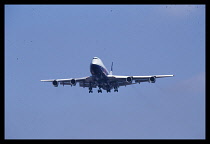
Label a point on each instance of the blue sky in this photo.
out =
(59, 41)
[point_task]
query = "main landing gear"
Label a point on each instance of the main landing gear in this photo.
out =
(115, 89)
(99, 91)
(108, 90)
(90, 90)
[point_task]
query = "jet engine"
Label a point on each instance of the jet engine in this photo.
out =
(152, 79)
(129, 79)
(73, 82)
(55, 83)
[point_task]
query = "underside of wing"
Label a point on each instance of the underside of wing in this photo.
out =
(151, 78)
(129, 80)
(70, 81)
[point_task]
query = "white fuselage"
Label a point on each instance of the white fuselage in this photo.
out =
(97, 67)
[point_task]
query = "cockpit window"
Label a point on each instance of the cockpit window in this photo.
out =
(95, 58)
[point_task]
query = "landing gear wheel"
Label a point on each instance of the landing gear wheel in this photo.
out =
(115, 90)
(90, 90)
(108, 91)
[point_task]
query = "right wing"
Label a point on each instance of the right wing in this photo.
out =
(84, 81)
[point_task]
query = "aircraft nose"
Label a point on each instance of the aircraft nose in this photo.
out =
(95, 60)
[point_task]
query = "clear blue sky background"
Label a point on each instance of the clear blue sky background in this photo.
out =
(59, 41)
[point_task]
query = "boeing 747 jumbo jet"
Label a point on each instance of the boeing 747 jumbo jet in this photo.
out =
(103, 79)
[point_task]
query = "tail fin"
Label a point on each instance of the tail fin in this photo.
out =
(111, 69)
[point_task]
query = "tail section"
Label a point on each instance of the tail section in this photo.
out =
(111, 69)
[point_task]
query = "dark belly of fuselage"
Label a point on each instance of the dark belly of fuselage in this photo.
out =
(100, 75)
(99, 72)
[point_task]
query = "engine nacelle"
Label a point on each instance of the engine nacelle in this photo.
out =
(129, 79)
(73, 82)
(55, 83)
(152, 79)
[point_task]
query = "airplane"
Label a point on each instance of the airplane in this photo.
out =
(103, 79)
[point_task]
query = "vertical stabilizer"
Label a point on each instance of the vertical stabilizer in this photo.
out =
(111, 69)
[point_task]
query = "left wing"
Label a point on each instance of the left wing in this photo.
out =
(129, 80)
(151, 79)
